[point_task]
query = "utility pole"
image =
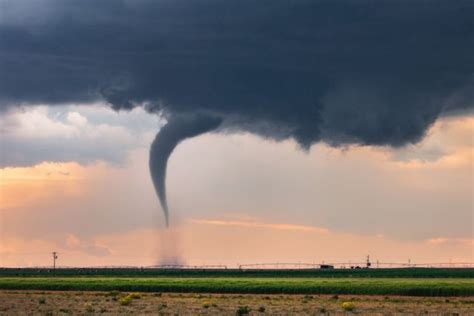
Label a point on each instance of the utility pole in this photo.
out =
(55, 256)
(368, 264)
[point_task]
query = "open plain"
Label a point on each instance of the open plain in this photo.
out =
(236, 292)
(112, 303)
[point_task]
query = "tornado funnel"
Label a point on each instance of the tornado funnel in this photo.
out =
(176, 130)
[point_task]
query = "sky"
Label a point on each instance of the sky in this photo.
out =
(270, 131)
(235, 198)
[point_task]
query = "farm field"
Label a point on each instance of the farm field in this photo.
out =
(292, 273)
(112, 303)
(89, 291)
(256, 285)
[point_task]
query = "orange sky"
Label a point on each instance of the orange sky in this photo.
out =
(106, 214)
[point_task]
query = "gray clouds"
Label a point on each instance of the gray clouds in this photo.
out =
(363, 72)
(83, 134)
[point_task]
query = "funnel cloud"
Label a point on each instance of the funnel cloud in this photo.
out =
(176, 130)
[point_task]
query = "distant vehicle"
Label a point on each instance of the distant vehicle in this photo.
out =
(326, 266)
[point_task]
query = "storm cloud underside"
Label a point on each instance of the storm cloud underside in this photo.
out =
(342, 72)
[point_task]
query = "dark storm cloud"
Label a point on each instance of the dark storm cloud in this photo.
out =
(366, 72)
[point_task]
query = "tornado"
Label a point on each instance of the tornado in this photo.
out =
(177, 129)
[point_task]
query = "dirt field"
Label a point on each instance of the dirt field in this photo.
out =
(114, 303)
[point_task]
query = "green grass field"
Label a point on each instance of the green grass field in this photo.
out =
(263, 285)
(298, 273)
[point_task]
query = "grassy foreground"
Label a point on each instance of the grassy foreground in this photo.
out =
(372, 286)
(251, 273)
(112, 303)
(116, 303)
